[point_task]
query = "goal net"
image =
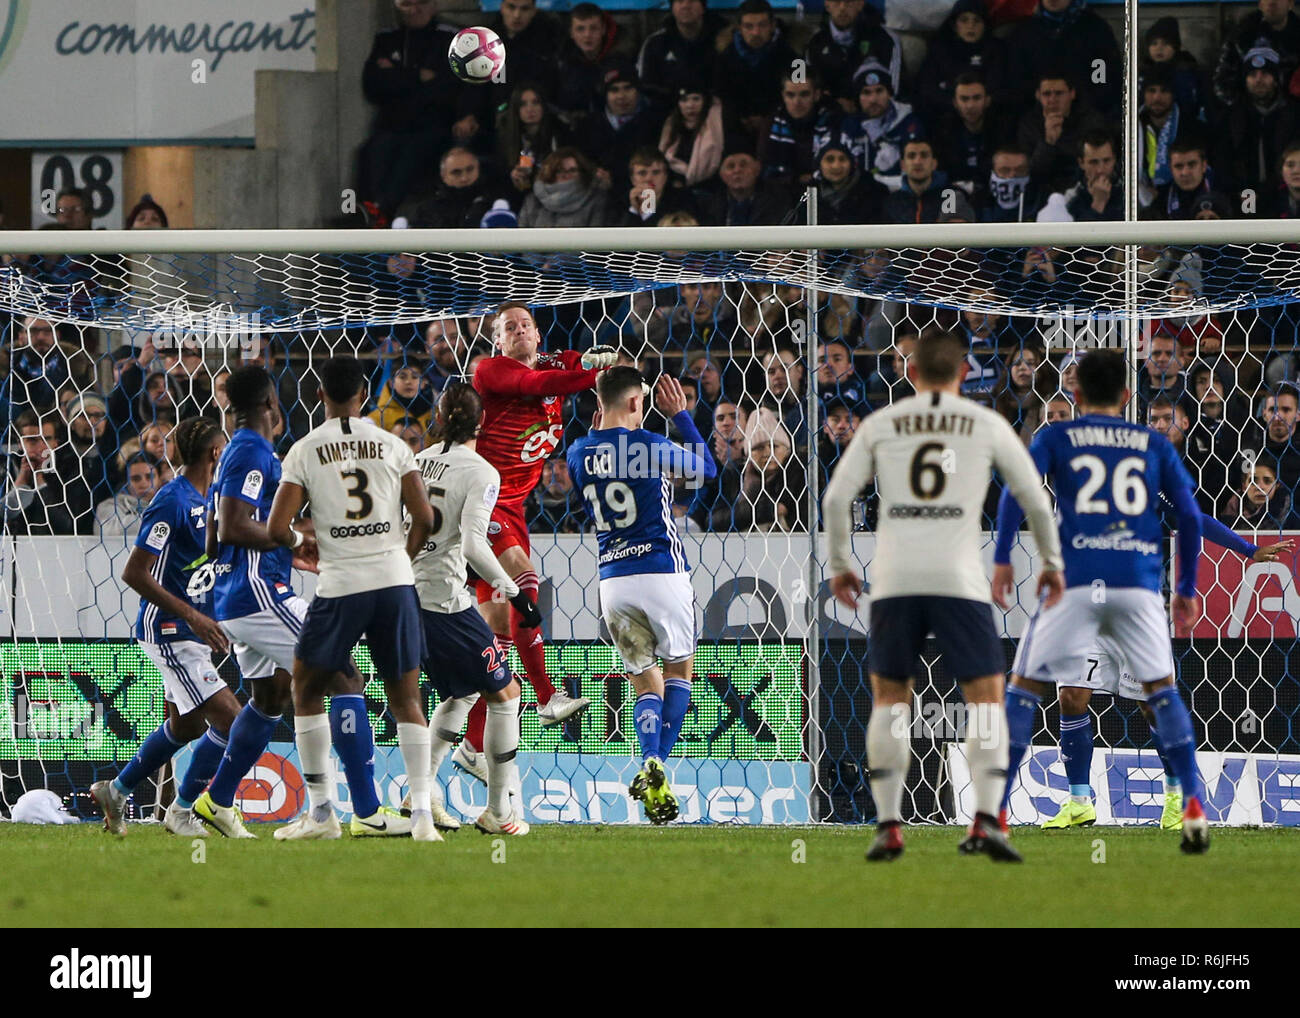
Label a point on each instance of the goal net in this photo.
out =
(789, 337)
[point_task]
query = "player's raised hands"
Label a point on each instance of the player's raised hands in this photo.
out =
(1004, 585)
(599, 357)
(670, 397)
(1051, 585)
(1271, 552)
(847, 588)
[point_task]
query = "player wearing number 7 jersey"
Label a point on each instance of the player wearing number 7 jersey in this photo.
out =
(523, 399)
(1109, 475)
(625, 474)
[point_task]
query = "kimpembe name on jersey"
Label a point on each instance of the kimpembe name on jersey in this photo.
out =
(346, 451)
(638, 460)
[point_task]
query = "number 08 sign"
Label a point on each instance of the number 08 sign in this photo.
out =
(98, 173)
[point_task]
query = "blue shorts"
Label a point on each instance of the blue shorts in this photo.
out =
(963, 629)
(463, 654)
(389, 618)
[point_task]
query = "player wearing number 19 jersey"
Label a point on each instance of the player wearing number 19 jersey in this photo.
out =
(1109, 475)
(523, 398)
(625, 474)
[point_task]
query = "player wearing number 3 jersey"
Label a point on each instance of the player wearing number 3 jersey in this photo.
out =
(523, 398)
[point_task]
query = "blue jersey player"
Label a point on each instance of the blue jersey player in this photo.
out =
(1109, 476)
(169, 569)
(626, 474)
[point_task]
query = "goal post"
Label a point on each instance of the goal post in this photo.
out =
(789, 336)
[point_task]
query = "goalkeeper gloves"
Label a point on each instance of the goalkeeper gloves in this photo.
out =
(530, 617)
(599, 357)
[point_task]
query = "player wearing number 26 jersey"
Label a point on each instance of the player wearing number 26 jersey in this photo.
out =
(626, 474)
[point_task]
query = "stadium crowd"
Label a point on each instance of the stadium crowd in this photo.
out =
(719, 120)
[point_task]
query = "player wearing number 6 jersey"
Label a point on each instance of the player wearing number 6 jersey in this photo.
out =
(933, 456)
(358, 479)
(464, 660)
(625, 474)
(1109, 475)
(523, 398)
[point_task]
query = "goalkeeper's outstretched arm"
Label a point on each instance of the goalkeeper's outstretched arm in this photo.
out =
(501, 376)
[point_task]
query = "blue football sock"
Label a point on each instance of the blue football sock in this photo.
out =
(677, 699)
(1022, 716)
(247, 741)
(648, 716)
(1175, 726)
(1076, 752)
(204, 762)
(354, 742)
(155, 751)
(1171, 779)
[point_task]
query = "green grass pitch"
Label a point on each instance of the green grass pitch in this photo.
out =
(604, 876)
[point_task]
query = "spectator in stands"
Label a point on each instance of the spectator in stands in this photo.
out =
(220, 401)
(1197, 335)
(742, 197)
(1159, 119)
(1273, 26)
(554, 506)
(845, 194)
(132, 368)
(34, 502)
(40, 366)
(727, 436)
(1254, 130)
(146, 214)
(1013, 196)
(701, 317)
(532, 40)
(1190, 181)
(1098, 193)
(157, 401)
(1162, 374)
(1059, 408)
(404, 396)
(1261, 502)
(411, 430)
(120, 515)
(983, 331)
(837, 378)
(565, 193)
(462, 198)
(963, 45)
(1052, 130)
(156, 441)
(691, 138)
(448, 349)
(841, 420)
(889, 383)
(749, 69)
(805, 121)
(851, 33)
(877, 132)
(772, 485)
(968, 134)
(188, 379)
(680, 53)
(1067, 38)
(784, 394)
(920, 198)
(1164, 48)
(1277, 446)
(1020, 400)
(1213, 441)
(1169, 417)
(1068, 370)
(650, 196)
(420, 106)
(92, 445)
(593, 36)
(704, 369)
(626, 124)
(527, 133)
(1286, 199)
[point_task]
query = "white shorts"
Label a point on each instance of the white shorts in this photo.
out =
(1106, 671)
(268, 639)
(189, 677)
(1058, 641)
(649, 616)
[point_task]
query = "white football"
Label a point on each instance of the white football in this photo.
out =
(477, 55)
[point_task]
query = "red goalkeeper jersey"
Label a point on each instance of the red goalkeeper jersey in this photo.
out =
(522, 426)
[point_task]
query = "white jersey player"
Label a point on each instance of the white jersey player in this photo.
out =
(464, 659)
(933, 455)
(357, 478)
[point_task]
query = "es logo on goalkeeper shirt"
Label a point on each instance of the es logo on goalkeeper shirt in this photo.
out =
(75, 971)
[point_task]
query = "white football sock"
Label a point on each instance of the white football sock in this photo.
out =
(413, 740)
(311, 734)
(444, 729)
(500, 744)
(986, 755)
(889, 754)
